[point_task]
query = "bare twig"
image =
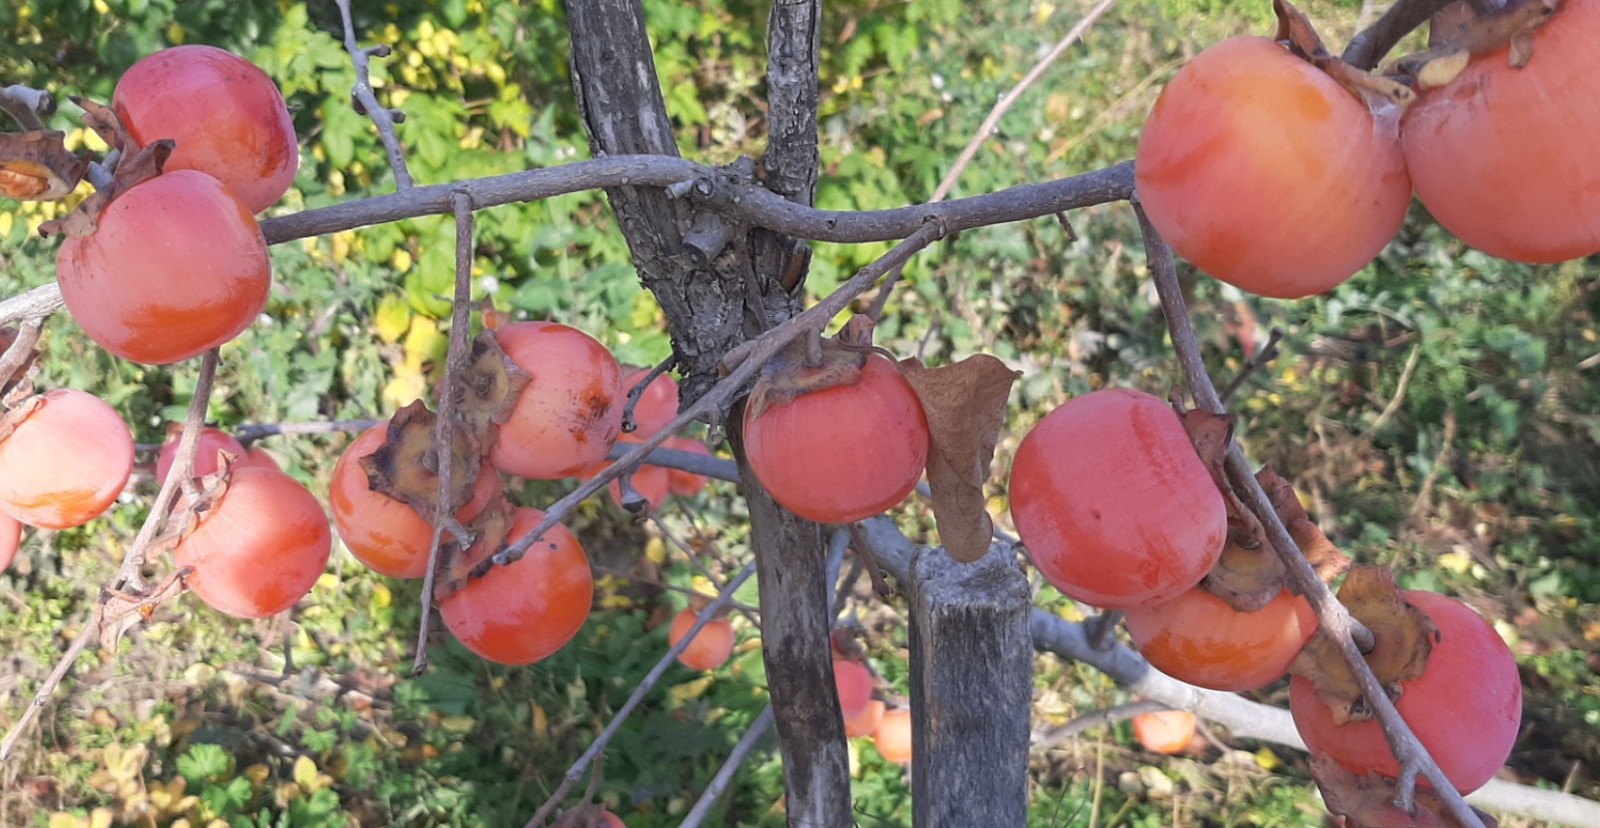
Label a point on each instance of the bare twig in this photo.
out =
(85, 635)
(1441, 461)
(1399, 391)
(445, 426)
(720, 782)
(646, 684)
(25, 106)
(248, 434)
(1098, 718)
(638, 390)
(365, 100)
(17, 353)
(1268, 353)
(1369, 46)
(748, 610)
(1337, 624)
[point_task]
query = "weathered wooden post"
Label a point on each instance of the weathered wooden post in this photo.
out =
(971, 690)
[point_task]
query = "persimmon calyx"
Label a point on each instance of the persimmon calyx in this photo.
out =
(137, 166)
(1463, 34)
(36, 166)
(489, 390)
(1296, 33)
(406, 466)
(794, 372)
(1404, 637)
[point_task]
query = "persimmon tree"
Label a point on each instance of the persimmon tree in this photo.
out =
(724, 252)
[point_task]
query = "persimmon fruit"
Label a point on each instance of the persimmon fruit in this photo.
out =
(570, 414)
(260, 548)
(1113, 504)
(524, 611)
(1197, 638)
(1465, 708)
(855, 684)
(65, 462)
(844, 453)
(212, 440)
(176, 267)
(892, 737)
(711, 646)
(1263, 172)
(10, 539)
(865, 722)
(1165, 732)
(683, 483)
(226, 116)
(386, 535)
(1504, 157)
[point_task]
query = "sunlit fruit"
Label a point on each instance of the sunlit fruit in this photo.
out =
(855, 686)
(1166, 731)
(1263, 172)
(844, 453)
(176, 267)
(384, 534)
(892, 737)
(524, 611)
(1466, 707)
(865, 722)
(1113, 504)
(66, 462)
(653, 483)
(683, 483)
(1504, 158)
(570, 414)
(657, 406)
(710, 647)
(227, 117)
(1197, 638)
(10, 539)
(260, 548)
(212, 440)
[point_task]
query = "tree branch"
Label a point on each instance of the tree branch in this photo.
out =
(366, 103)
(1368, 47)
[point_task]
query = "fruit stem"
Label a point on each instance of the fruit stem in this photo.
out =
(638, 389)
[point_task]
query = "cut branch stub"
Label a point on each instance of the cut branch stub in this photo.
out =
(36, 166)
(965, 404)
(1459, 34)
(1368, 800)
(405, 467)
(1403, 636)
(489, 389)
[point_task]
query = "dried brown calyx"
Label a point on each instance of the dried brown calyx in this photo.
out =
(1403, 635)
(406, 466)
(1458, 34)
(1296, 32)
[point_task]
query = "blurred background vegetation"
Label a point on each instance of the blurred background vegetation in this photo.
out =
(1439, 413)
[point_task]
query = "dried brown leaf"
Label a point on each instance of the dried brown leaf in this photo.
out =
(136, 168)
(105, 123)
(119, 612)
(965, 404)
(787, 376)
(1450, 23)
(1459, 34)
(1367, 800)
(1328, 561)
(489, 531)
(1296, 31)
(1403, 635)
(1211, 434)
(36, 166)
(405, 467)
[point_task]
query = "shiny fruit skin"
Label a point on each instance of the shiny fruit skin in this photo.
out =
(176, 267)
(865, 722)
(569, 416)
(1166, 732)
(212, 440)
(1504, 158)
(228, 118)
(610, 820)
(1112, 502)
(384, 534)
(892, 737)
(682, 483)
(658, 405)
(711, 646)
(525, 611)
(261, 548)
(855, 683)
(10, 539)
(842, 454)
(1466, 708)
(66, 462)
(1261, 171)
(1197, 638)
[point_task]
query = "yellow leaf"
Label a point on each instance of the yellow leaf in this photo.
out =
(459, 724)
(401, 260)
(381, 597)
(424, 342)
(392, 319)
(305, 771)
(61, 819)
(100, 818)
(656, 550)
(6, 220)
(690, 689)
(1045, 10)
(1267, 759)
(257, 773)
(541, 721)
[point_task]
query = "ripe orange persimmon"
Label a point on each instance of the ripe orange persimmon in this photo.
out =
(384, 534)
(1196, 637)
(66, 461)
(10, 539)
(1263, 172)
(1504, 158)
(844, 453)
(610, 820)
(855, 686)
(212, 440)
(227, 117)
(892, 737)
(711, 646)
(658, 405)
(1466, 707)
(260, 548)
(1112, 502)
(682, 483)
(1167, 731)
(865, 722)
(570, 414)
(176, 267)
(651, 482)
(522, 612)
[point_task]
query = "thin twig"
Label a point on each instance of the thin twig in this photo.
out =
(638, 389)
(87, 634)
(1268, 353)
(750, 611)
(648, 683)
(1369, 46)
(1097, 718)
(248, 434)
(382, 117)
(1337, 624)
(1399, 391)
(730, 766)
(1441, 461)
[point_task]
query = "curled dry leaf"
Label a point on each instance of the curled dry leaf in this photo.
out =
(105, 123)
(139, 166)
(1404, 637)
(1458, 34)
(1296, 31)
(36, 166)
(965, 404)
(406, 466)
(1328, 561)
(1367, 800)
(489, 389)
(1212, 437)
